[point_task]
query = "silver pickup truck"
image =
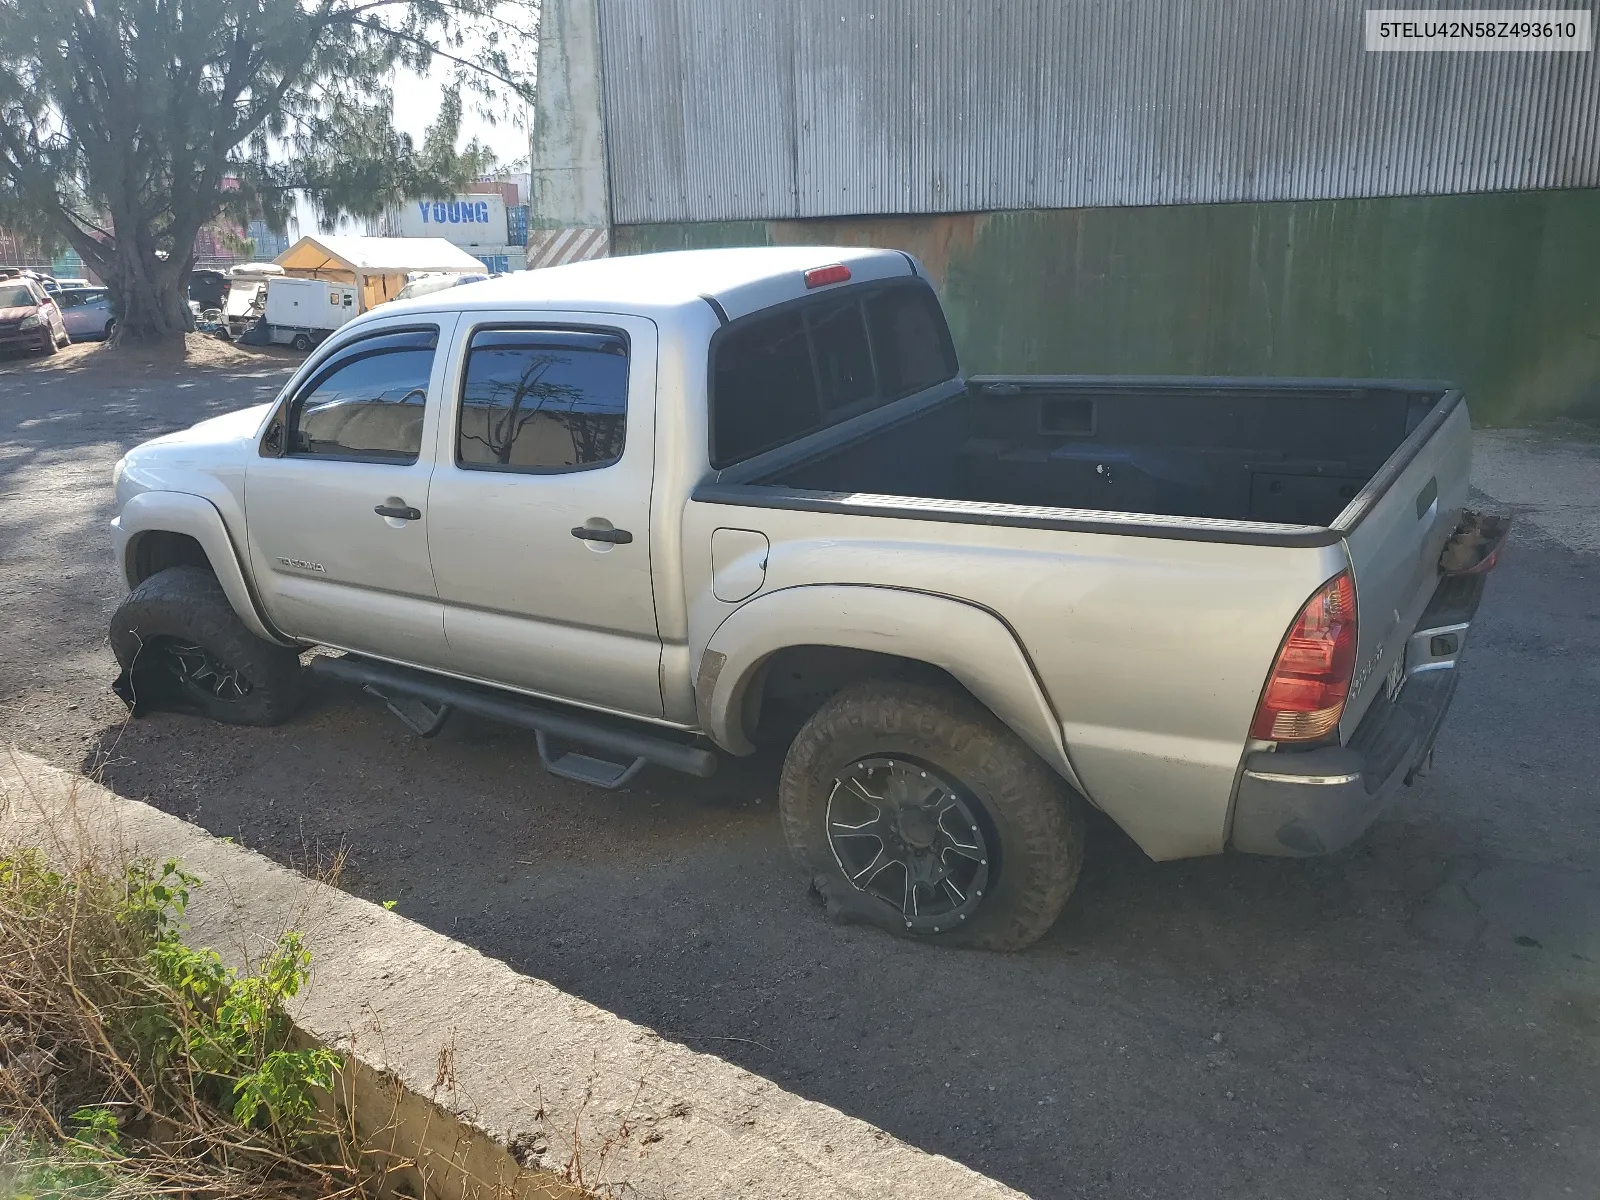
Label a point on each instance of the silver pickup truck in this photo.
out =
(663, 508)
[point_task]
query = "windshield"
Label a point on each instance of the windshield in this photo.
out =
(15, 295)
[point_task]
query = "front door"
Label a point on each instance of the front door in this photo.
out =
(336, 503)
(539, 514)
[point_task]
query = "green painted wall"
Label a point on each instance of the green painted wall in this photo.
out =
(1499, 292)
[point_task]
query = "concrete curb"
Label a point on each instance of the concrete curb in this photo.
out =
(550, 1078)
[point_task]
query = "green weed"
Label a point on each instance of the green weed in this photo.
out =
(139, 1060)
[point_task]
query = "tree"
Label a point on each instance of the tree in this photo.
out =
(128, 125)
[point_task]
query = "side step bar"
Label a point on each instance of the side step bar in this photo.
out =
(410, 694)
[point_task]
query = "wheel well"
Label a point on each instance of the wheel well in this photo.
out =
(159, 549)
(793, 683)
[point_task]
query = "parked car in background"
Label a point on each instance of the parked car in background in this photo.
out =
(208, 289)
(72, 281)
(86, 313)
(29, 318)
(44, 280)
(422, 285)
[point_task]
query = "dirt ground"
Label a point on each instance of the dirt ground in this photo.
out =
(198, 351)
(1418, 1016)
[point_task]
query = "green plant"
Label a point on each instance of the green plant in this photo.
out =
(119, 1042)
(97, 1127)
(236, 1032)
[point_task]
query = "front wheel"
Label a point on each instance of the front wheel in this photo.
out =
(913, 808)
(180, 644)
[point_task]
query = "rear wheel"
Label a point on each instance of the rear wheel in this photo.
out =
(111, 327)
(181, 645)
(914, 808)
(301, 342)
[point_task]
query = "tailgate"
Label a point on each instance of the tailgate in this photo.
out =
(1395, 529)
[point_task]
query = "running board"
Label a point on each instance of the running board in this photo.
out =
(424, 702)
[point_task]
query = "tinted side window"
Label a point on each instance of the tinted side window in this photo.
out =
(543, 400)
(369, 403)
(764, 387)
(911, 341)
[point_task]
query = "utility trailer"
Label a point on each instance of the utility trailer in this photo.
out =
(301, 312)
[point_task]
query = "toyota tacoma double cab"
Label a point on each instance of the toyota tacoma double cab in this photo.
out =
(660, 509)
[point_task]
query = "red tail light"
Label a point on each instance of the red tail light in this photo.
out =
(820, 276)
(1305, 694)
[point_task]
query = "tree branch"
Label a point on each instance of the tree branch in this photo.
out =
(513, 84)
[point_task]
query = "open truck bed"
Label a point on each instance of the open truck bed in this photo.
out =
(1281, 452)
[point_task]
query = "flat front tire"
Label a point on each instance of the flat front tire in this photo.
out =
(181, 645)
(913, 808)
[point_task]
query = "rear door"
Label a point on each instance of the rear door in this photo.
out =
(539, 517)
(336, 502)
(1398, 525)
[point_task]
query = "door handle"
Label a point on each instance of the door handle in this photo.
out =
(617, 537)
(401, 512)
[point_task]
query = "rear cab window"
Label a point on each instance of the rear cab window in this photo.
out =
(787, 372)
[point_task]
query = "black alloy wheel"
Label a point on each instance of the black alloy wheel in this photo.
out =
(201, 671)
(906, 835)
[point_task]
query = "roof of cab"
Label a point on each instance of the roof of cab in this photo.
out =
(740, 280)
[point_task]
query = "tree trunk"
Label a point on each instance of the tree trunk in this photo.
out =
(149, 294)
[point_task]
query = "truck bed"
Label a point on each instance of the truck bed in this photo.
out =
(1295, 452)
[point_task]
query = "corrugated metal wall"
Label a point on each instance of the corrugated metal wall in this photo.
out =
(1499, 291)
(741, 109)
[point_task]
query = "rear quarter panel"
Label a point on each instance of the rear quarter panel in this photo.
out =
(1152, 652)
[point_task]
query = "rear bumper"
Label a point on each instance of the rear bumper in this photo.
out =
(1305, 802)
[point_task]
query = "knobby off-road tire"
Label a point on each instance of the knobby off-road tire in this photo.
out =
(235, 678)
(1031, 819)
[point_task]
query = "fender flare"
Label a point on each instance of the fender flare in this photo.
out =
(970, 643)
(199, 518)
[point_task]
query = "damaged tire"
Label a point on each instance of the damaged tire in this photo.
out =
(180, 645)
(913, 808)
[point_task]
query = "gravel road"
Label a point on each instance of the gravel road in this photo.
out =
(1418, 1016)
